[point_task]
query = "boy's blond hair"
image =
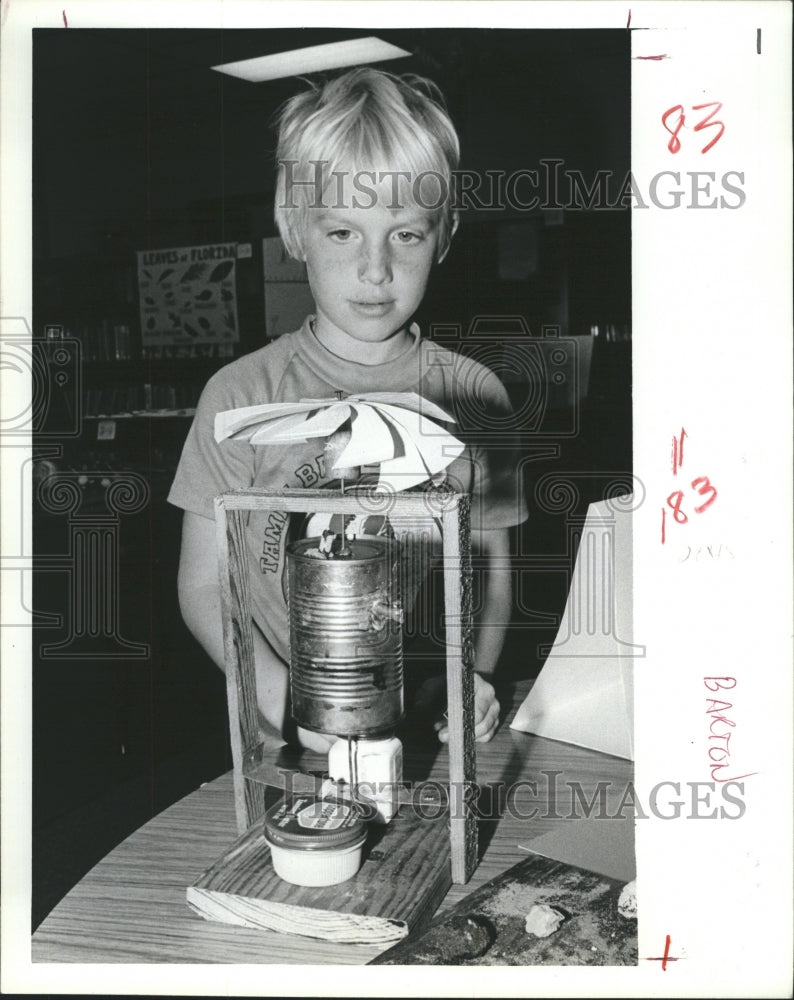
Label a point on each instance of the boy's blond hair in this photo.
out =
(365, 120)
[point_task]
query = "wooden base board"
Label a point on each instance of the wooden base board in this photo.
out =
(403, 878)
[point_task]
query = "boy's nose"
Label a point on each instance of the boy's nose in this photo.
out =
(375, 266)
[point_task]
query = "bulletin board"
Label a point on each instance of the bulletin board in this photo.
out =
(188, 295)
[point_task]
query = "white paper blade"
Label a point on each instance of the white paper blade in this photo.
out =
(436, 446)
(371, 439)
(408, 401)
(404, 471)
(231, 422)
(270, 428)
(301, 428)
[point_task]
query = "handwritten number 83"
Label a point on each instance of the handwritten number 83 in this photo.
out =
(702, 486)
(674, 145)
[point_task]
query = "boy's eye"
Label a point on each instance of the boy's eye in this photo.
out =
(341, 235)
(406, 236)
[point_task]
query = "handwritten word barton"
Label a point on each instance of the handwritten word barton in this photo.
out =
(721, 729)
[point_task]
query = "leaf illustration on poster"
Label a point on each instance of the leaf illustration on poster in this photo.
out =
(188, 295)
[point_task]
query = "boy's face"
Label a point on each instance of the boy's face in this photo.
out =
(368, 267)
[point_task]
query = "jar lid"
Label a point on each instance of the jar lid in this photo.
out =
(306, 823)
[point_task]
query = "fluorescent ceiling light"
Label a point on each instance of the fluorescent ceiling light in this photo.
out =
(312, 59)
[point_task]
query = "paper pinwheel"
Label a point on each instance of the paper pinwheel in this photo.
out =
(396, 429)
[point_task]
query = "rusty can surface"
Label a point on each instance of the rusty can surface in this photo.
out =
(346, 662)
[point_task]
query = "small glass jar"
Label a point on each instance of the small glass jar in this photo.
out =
(315, 842)
(374, 769)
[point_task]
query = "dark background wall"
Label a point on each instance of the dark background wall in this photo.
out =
(139, 145)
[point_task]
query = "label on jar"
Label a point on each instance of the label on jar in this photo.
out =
(324, 816)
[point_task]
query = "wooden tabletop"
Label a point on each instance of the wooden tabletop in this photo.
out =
(131, 907)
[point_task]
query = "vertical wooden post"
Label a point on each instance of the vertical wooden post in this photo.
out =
(460, 688)
(238, 645)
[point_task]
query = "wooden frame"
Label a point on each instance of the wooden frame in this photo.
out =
(248, 750)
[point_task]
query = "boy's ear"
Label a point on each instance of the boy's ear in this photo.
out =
(452, 230)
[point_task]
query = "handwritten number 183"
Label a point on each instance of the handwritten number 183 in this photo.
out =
(675, 501)
(674, 145)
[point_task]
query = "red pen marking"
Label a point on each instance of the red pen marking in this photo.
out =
(675, 143)
(674, 501)
(678, 452)
(652, 58)
(667, 957)
(703, 486)
(707, 122)
(65, 24)
(628, 23)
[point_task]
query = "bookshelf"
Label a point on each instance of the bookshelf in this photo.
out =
(91, 301)
(145, 387)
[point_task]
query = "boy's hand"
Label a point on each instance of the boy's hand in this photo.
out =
(316, 742)
(486, 713)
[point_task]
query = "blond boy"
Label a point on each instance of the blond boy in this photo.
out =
(364, 198)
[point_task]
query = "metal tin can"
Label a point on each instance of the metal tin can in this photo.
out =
(346, 663)
(315, 842)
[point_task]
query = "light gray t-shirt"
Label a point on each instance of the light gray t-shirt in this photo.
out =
(297, 366)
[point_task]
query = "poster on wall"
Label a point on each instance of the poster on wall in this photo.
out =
(288, 298)
(188, 295)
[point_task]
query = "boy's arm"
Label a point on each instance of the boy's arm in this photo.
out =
(200, 603)
(491, 624)
(493, 617)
